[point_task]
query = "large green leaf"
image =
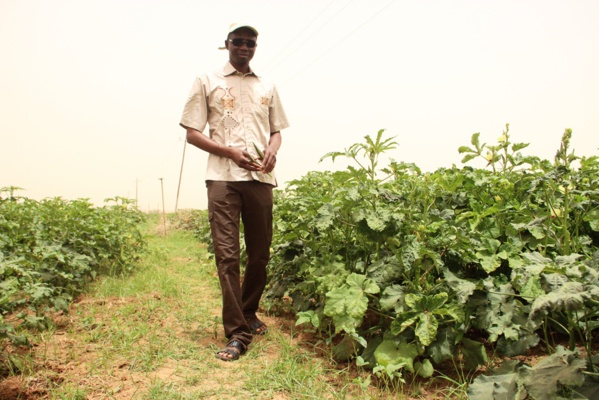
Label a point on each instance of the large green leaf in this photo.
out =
(570, 296)
(490, 263)
(527, 278)
(553, 377)
(377, 220)
(410, 251)
(537, 231)
(425, 303)
(536, 258)
(421, 312)
(363, 283)
(504, 383)
(384, 271)
(390, 352)
(308, 316)
(517, 345)
(443, 348)
(561, 368)
(326, 217)
(532, 288)
(534, 227)
(502, 325)
(425, 369)
(403, 322)
(462, 287)
(329, 275)
(502, 314)
(426, 328)
(495, 387)
(392, 298)
(592, 217)
(354, 194)
(348, 304)
(474, 354)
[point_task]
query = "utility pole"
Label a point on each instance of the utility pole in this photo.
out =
(163, 211)
(180, 176)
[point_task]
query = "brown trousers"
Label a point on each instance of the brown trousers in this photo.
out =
(253, 201)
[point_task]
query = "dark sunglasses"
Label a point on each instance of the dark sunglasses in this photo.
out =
(239, 42)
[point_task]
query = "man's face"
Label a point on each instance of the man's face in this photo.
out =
(241, 54)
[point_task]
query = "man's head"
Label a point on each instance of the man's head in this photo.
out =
(241, 43)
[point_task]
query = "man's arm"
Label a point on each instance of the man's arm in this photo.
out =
(203, 142)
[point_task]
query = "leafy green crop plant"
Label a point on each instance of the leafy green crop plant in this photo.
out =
(51, 249)
(407, 270)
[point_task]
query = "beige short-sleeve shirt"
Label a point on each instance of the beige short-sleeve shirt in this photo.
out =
(240, 110)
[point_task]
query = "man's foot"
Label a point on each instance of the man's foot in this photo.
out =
(258, 327)
(232, 351)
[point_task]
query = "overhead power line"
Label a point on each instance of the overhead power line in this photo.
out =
(339, 42)
(299, 33)
(311, 35)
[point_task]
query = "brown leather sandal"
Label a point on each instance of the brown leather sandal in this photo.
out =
(258, 327)
(232, 351)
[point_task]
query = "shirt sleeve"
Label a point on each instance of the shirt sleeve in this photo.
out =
(195, 112)
(276, 113)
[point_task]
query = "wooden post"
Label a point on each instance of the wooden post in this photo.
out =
(163, 211)
(180, 176)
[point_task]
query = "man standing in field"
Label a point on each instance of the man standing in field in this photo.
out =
(245, 117)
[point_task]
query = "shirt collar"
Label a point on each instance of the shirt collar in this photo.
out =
(229, 69)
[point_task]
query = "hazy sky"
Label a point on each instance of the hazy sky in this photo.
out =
(91, 92)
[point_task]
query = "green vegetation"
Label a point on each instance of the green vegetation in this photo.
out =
(403, 271)
(51, 249)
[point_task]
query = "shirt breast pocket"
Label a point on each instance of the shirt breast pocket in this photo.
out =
(261, 100)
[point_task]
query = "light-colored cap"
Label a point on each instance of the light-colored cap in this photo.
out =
(234, 26)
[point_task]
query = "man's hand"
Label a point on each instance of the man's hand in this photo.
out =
(269, 161)
(243, 160)
(270, 153)
(240, 157)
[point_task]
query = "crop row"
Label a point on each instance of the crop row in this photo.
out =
(404, 270)
(51, 249)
